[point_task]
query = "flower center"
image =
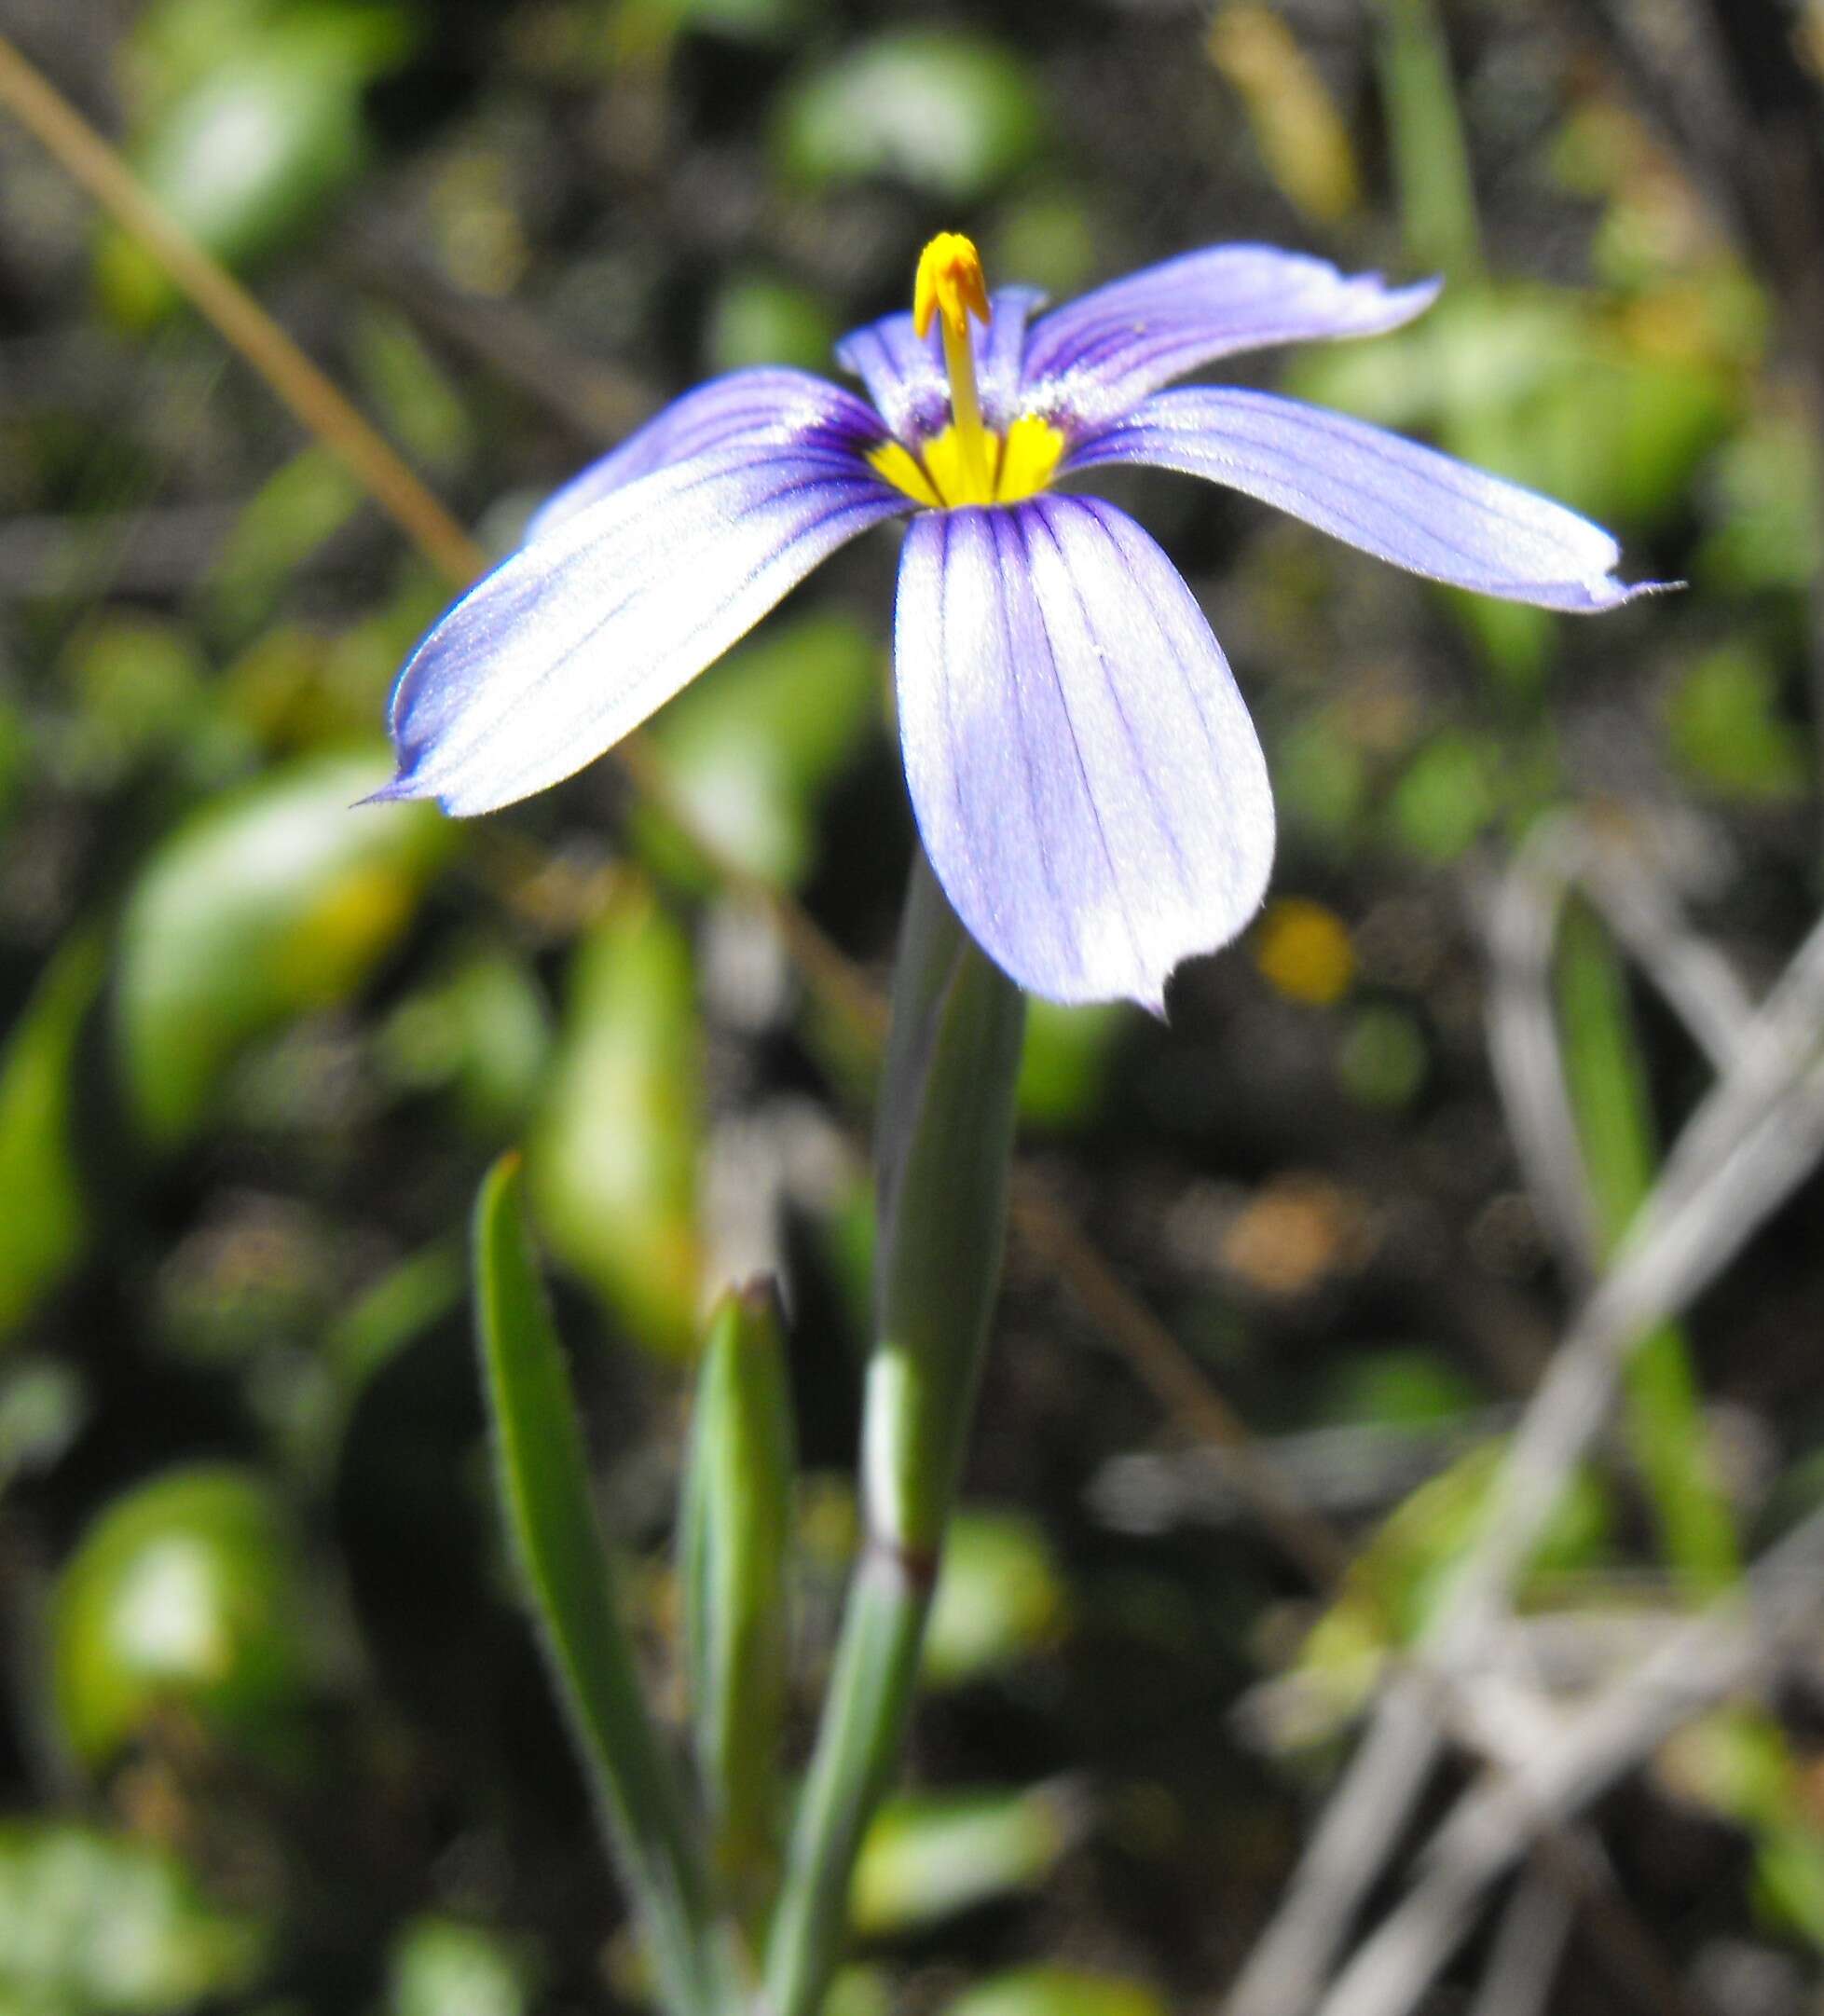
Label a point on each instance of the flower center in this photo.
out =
(968, 463)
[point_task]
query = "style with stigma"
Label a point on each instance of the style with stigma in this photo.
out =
(966, 463)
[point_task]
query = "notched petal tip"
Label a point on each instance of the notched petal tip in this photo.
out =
(407, 789)
(1153, 1004)
(1606, 593)
(1405, 301)
(395, 793)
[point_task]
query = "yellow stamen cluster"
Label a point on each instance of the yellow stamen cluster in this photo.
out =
(968, 463)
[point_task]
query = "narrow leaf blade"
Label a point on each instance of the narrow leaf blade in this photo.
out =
(544, 1494)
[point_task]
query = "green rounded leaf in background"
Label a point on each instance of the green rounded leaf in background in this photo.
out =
(135, 683)
(860, 1990)
(612, 1165)
(256, 144)
(949, 114)
(751, 750)
(171, 46)
(999, 1597)
(302, 503)
(440, 1967)
(1544, 388)
(759, 319)
(745, 21)
(1321, 780)
(1383, 1058)
(1057, 1991)
(1066, 1061)
(1765, 504)
(1725, 723)
(930, 1856)
(92, 1925)
(43, 1406)
(481, 1030)
(1447, 796)
(45, 1223)
(408, 391)
(271, 902)
(1047, 237)
(185, 1593)
(1403, 1388)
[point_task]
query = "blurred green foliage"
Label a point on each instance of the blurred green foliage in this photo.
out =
(928, 1856)
(186, 1595)
(42, 1234)
(94, 1926)
(1000, 1598)
(951, 115)
(439, 1967)
(264, 905)
(1392, 1586)
(751, 754)
(1728, 733)
(1056, 1991)
(612, 1155)
(251, 124)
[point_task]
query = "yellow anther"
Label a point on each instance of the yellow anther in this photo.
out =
(949, 283)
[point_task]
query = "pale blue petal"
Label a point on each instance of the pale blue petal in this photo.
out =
(904, 372)
(1390, 497)
(1085, 776)
(574, 641)
(760, 408)
(1089, 361)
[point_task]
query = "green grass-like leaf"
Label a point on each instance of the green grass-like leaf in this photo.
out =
(544, 1492)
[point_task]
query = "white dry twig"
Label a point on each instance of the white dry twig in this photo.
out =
(1534, 1930)
(1754, 1138)
(1737, 1642)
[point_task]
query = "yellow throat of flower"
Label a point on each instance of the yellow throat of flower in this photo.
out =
(968, 463)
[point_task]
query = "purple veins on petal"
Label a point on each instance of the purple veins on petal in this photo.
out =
(574, 641)
(1392, 498)
(765, 408)
(1093, 358)
(1087, 781)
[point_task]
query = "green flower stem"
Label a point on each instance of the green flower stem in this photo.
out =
(946, 1129)
(864, 1726)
